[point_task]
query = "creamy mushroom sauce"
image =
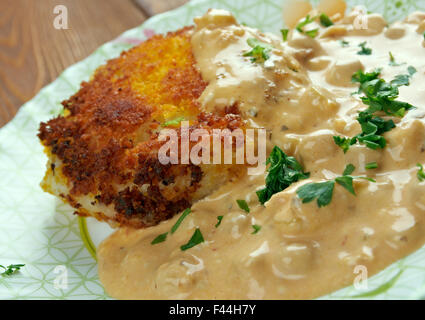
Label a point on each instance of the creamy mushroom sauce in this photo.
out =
(302, 96)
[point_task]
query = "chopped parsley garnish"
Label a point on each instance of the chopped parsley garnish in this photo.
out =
(371, 165)
(371, 136)
(320, 190)
(412, 70)
(256, 228)
(307, 20)
(364, 50)
(219, 218)
(372, 129)
(380, 95)
(283, 171)
(161, 238)
(312, 33)
(259, 52)
(344, 43)
(174, 122)
(344, 143)
(243, 205)
(401, 80)
(346, 182)
(421, 173)
(179, 221)
(300, 27)
(404, 79)
(349, 169)
(392, 61)
(323, 191)
(325, 20)
(362, 77)
(284, 33)
(196, 239)
(11, 269)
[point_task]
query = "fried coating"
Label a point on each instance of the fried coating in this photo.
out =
(103, 152)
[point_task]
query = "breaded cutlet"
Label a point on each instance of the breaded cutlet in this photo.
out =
(103, 151)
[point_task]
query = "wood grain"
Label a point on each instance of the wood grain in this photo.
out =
(33, 53)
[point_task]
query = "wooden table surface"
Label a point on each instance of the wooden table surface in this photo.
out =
(33, 52)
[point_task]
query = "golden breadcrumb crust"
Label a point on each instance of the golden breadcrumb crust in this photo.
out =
(103, 151)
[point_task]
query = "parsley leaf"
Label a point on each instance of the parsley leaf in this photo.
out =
(179, 221)
(161, 238)
(283, 171)
(196, 239)
(366, 178)
(362, 77)
(243, 205)
(284, 33)
(380, 95)
(401, 80)
(344, 43)
(320, 190)
(219, 218)
(11, 269)
(392, 61)
(256, 228)
(412, 70)
(259, 52)
(364, 50)
(349, 169)
(404, 79)
(421, 173)
(344, 143)
(373, 141)
(371, 165)
(312, 33)
(325, 20)
(174, 122)
(372, 129)
(307, 20)
(347, 182)
(323, 190)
